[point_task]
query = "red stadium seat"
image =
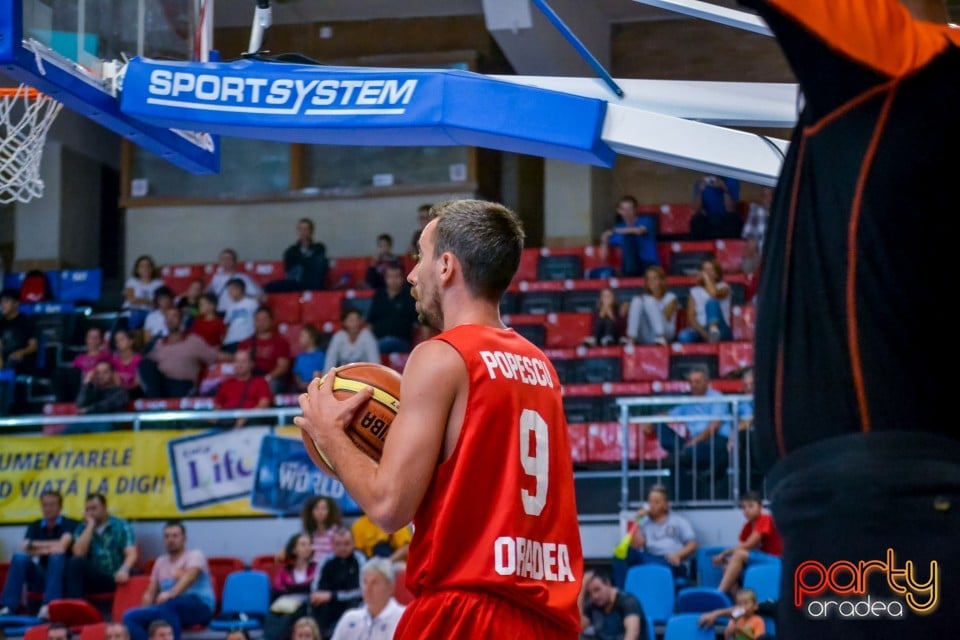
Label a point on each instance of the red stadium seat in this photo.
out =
(96, 631)
(220, 568)
(179, 276)
(322, 309)
(685, 356)
(129, 595)
(349, 272)
(156, 404)
(744, 321)
(39, 632)
(285, 307)
(57, 409)
(578, 442)
(264, 272)
(674, 219)
(527, 271)
(196, 404)
(734, 357)
(730, 255)
(291, 333)
(213, 376)
(4, 570)
(685, 258)
(74, 612)
(268, 564)
(604, 443)
(643, 362)
(567, 329)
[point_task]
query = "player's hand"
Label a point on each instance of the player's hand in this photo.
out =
(323, 413)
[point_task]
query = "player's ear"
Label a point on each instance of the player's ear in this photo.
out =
(447, 264)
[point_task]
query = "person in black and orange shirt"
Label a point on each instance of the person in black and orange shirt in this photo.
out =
(850, 413)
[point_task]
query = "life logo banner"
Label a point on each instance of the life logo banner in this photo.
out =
(210, 468)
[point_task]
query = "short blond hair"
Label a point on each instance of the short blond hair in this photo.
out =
(310, 623)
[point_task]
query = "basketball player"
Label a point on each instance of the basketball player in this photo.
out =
(478, 456)
(850, 412)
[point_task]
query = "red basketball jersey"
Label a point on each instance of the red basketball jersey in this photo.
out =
(500, 515)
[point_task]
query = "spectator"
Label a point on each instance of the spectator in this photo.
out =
(658, 535)
(375, 542)
(180, 592)
(18, 346)
(208, 324)
(138, 290)
(270, 351)
(291, 587)
(393, 312)
(337, 587)
(766, 609)
(189, 302)
(242, 390)
(160, 630)
(352, 343)
(155, 325)
(607, 613)
(635, 235)
(309, 363)
(754, 230)
(125, 361)
(745, 623)
(759, 541)
(58, 631)
(116, 631)
(424, 216)
(708, 308)
(652, 318)
(609, 321)
(377, 618)
(95, 351)
(227, 271)
(237, 634)
(305, 628)
(104, 551)
(102, 392)
(304, 262)
(238, 312)
(42, 557)
(384, 258)
(715, 208)
(321, 517)
(172, 367)
(749, 473)
(700, 440)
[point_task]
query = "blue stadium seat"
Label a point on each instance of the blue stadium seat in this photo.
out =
(707, 574)
(246, 601)
(685, 626)
(701, 600)
(652, 585)
(764, 579)
(80, 285)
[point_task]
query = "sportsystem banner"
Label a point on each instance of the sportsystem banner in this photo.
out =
(165, 474)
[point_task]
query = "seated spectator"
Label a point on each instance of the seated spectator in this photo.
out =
(18, 345)
(321, 517)
(393, 312)
(95, 351)
(208, 324)
(270, 351)
(352, 343)
(749, 473)
(607, 613)
(160, 630)
(238, 310)
(227, 271)
(309, 363)
(242, 390)
(766, 609)
(180, 592)
(116, 631)
(754, 230)
(172, 367)
(699, 441)
(745, 623)
(652, 318)
(377, 617)
(658, 535)
(155, 325)
(290, 591)
(609, 321)
(104, 551)
(305, 263)
(337, 587)
(189, 301)
(715, 208)
(101, 392)
(636, 235)
(375, 542)
(384, 258)
(709, 307)
(423, 218)
(58, 631)
(138, 291)
(42, 558)
(125, 361)
(759, 541)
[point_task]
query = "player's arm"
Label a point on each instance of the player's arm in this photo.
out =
(389, 493)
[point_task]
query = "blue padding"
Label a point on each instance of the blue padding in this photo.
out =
(80, 284)
(13, 280)
(10, 623)
(362, 106)
(40, 308)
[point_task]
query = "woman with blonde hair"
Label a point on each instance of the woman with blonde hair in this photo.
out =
(305, 628)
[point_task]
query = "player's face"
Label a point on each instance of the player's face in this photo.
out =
(376, 589)
(423, 279)
(173, 539)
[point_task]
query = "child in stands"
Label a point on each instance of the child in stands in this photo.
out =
(208, 324)
(745, 623)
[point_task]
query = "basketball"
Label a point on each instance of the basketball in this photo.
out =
(370, 424)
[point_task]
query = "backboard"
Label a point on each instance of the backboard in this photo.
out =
(73, 50)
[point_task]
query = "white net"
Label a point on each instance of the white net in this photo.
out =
(25, 119)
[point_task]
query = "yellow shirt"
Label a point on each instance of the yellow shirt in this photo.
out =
(367, 535)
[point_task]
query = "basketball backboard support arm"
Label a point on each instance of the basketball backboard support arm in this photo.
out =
(262, 20)
(714, 13)
(33, 63)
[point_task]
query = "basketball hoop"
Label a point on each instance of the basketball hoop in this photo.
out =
(25, 118)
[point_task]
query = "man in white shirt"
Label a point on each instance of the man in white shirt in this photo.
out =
(227, 271)
(377, 618)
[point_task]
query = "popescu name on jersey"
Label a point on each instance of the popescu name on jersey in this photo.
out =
(280, 96)
(532, 559)
(532, 371)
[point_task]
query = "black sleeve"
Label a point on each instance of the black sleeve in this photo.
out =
(33, 531)
(290, 258)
